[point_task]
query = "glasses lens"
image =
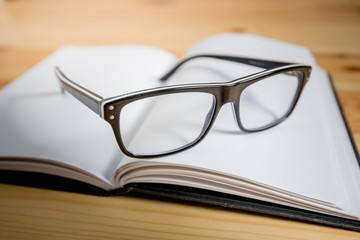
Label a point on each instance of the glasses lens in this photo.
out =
(166, 123)
(268, 101)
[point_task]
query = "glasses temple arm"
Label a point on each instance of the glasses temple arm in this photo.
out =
(249, 61)
(88, 98)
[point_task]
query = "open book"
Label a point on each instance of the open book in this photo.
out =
(304, 168)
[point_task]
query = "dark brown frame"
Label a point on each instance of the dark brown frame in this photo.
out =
(224, 92)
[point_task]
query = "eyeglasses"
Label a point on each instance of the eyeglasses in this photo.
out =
(166, 120)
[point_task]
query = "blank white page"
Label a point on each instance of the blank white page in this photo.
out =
(309, 154)
(39, 122)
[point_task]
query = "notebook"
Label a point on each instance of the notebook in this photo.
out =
(305, 168)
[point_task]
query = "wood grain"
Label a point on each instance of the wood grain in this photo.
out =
(30, 214)
(32, 30)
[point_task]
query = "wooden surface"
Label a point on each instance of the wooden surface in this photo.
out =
(31, 30)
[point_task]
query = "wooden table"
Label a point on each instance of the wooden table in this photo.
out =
(31, 30)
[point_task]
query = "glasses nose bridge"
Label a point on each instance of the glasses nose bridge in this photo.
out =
(230, 94)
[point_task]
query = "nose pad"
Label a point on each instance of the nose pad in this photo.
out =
(207, 118)
(236, 113)
(209, 114)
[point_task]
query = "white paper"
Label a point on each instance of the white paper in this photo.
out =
(308, 154)
(39, 122)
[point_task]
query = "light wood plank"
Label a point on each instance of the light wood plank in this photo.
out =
(28, 213)
(31, 30)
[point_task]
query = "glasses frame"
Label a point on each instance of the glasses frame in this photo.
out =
(224, 92)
